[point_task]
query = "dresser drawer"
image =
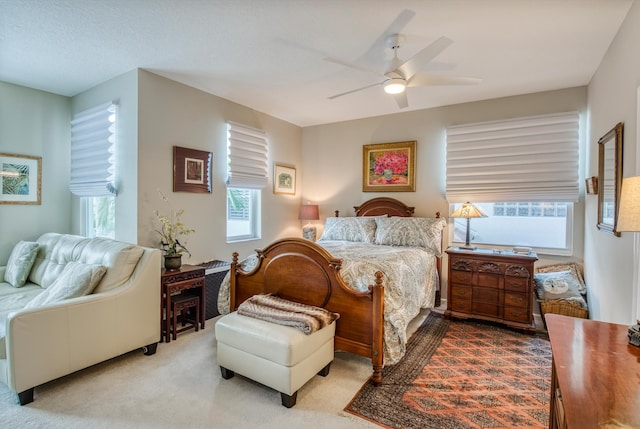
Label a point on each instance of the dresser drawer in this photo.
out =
(463, 306)
(461, 292)
(516, 299)
(487, 295)
(488, 280)
(463, 277)
(517, 314)
(485, 309)
(517, 284)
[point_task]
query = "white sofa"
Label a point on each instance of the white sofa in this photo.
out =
(49, 341)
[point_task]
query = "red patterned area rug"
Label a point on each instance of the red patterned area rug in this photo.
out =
(462, 375)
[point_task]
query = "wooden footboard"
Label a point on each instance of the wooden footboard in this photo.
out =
(300, 270)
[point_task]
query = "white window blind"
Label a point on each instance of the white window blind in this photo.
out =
(247, 151)
(525, 160)
(92, 151)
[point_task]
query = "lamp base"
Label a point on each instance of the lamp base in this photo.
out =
(309, 232)
(468, 247)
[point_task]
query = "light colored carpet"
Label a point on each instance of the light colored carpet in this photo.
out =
(181, 386)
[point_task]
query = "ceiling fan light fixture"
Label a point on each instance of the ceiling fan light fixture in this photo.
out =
(394, 86)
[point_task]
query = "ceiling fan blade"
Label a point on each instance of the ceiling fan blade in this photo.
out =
(402, 100)
(375, 53)
(419, 60)
(352, 66)
(353, 90)
(424, 79)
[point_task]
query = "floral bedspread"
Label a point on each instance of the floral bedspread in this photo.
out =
(410, 279)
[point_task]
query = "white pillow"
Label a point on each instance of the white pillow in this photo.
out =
(20, 262)
(77, 279)
(411, 231)
(360, 229)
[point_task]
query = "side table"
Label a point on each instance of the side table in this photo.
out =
(187, 277)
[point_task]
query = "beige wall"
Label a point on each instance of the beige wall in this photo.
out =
(332, 154)
(174, 114)
(36, 123)
(609, 260)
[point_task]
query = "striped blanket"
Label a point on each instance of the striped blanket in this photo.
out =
(270, 308)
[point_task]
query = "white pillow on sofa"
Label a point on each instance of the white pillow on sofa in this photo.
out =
(77, 279)
(20, 262)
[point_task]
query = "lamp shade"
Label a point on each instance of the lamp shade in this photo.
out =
(309, 212)
(629, 212)
(467, 211)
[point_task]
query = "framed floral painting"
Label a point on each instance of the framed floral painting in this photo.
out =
(389, 167)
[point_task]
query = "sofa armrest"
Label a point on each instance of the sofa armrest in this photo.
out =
(45, 343)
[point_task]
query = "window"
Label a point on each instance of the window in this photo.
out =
(99, 216)
(242, 214)
(93, 145)
(546, 227)
(247, 174)
(523, 173)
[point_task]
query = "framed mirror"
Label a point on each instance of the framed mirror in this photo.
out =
(609, 179)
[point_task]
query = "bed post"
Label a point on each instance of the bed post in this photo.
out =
(438, 299)
(377, 348)
(232, 288)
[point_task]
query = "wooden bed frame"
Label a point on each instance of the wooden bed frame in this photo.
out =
(299, 270)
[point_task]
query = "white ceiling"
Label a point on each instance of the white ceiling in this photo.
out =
(269, 54)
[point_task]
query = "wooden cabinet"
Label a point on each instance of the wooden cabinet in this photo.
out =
(595, 375)
(488, 285)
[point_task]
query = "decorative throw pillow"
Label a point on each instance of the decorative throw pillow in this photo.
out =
(558, 285)
(360, 229)
(411, 231)
(574, 267)
(20, 262)
(76, 280)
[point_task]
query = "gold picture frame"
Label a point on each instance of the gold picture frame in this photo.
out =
(609, 179)
(284, 179)
(20, 179)
(389, 167)
(191, 170)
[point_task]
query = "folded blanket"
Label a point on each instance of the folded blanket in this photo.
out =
(306, 318)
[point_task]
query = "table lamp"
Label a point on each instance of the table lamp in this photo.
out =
(309, 212)
(468, 211)
(629, 220)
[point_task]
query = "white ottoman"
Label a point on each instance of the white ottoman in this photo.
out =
(277, 356)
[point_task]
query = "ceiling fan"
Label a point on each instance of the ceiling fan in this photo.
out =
(404, 74)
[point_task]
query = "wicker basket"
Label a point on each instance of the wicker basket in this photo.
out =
(564, 307)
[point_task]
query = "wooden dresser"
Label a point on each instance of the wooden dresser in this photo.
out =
(498, 287)
(595, 381)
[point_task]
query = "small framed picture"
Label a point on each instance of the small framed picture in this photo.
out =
(284, 180)
(191, 170)
(20, 179)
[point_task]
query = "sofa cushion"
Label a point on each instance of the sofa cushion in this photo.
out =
(54, 252)
(77, 279)
(120, 258)
(20, 262)
(13, 299)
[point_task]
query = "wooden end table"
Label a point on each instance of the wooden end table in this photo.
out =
(187, 277)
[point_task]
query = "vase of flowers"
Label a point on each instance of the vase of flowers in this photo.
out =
(171, 231)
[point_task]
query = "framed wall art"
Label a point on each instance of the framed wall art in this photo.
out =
(389, 167)
(20, 179)
(191, 170)
(284, 179)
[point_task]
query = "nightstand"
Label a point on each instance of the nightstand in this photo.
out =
(491, 285)
(187, 278)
